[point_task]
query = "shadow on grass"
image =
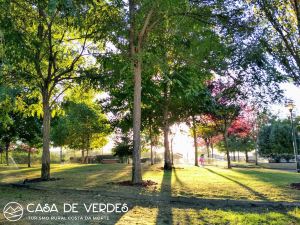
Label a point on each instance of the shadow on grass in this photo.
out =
(269, 176)
(178, 180)
(280, 179)
(21, 172)
(257, 194)
(164, 215)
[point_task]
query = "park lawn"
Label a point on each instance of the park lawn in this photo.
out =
(142, 213)
(189, 181)
(233, 216)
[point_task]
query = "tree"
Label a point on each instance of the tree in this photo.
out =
(83, 126)
(226, 95)
(59, 133)
(141, 22)
(207, 131)
(8, 135)
(166, 61)
(139, 27)
(278, 21)
(44, 46)
(240, 134)
(8, 117)
(123, 148)
(29, 130)
(274, 140)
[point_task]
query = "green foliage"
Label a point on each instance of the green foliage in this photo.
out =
(206, 130)
(280, 41)
(21, 157)
(83, 126)
(178, 52)
(241, 144)
(275, 140)
(29, 131)
(123, 147)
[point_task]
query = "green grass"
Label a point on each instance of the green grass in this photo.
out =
(209, 182)
(142, 213)
(188, 216)
(189, 181)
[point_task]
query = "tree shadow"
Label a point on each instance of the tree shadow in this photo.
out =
(164, 202)
(164, 215)
(268, 176)
(279, 179)
(178, 180)
(257, 194)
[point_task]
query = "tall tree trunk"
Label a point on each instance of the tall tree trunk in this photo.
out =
(256, 151)
(151, 145)
(7, 143)
(247, 158)
(225, 135)
(29, 159)
(136, 169)
(238, 156)
(87, 156)
(212, 149)
(234, 158)
(195, 140)
(61, 154)
(172, 153)
(45, 173)
(207, 148)
(168, 163)
(137, 72)
(82, 156)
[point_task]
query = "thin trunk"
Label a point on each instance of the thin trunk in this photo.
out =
(61, 154)
(87, 156)
(238, 155)
(6, 152)
(195, 141)
(256, 151)
(226, 148)
(207, 148)
(151, 145)
(82, 156)
(172, 158)
(234, 158)
(45, 173)
(212, 149)
(247, 158)
(168, 163)
(137, 72)
(256, 157)
(29, 159)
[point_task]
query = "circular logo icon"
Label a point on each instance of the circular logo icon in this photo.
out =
(13, 211)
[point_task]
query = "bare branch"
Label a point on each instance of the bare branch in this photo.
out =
(144, 28)
(60, 94)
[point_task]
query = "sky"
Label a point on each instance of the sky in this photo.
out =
(291, 92)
